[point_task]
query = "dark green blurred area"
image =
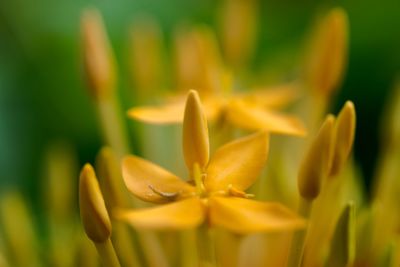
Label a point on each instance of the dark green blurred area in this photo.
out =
(43, 95)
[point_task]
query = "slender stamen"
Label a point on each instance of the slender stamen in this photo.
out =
(169, 195)
(198, 180)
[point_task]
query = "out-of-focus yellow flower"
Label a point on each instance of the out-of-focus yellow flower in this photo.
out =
(215, 194)
(326, 63)
(199, 65)
(251, 111)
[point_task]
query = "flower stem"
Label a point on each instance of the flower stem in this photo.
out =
(297, 249)
(113, 127)
(107, 253)
(190, 257)
(206, 247)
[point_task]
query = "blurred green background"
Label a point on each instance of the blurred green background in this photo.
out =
(43, 96)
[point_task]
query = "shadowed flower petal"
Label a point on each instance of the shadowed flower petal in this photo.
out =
(238, 163)
(247, 216)
(251, 117)
(179, 215)
(152, 183)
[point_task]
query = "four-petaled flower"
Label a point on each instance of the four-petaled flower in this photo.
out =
(215, 193)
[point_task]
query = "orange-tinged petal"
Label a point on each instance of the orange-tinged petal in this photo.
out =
(196, 145)
(251, 117)
(165, 114)
(277, 96)
(152, 183)
(238, 163)
(244, 216)
(183, 214)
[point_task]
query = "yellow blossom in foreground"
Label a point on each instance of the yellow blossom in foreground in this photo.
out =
(215, 194)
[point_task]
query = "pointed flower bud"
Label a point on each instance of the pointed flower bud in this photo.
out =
(343, 242)
(315, 164)
(146, 67)
(98, 58)
(327, 58)
(196, 147)
(345, 128)
(238, 22)
(93, 211)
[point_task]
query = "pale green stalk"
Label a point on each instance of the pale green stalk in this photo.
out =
(206, 246)
(113, 128)
(107, 253)
(297, 249)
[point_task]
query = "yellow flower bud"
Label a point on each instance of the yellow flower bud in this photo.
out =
(238, 22)
(344, 137)
(327, 57)
(196, 147)
(316, 163)
(146, 67)
(343, 242)
(93, 211)
(98, 58)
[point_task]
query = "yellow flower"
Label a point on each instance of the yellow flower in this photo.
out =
(215, 193)
(252, 111)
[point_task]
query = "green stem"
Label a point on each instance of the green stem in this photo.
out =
(189, 256)
(107, 254)
(297, 249)
(206, 247)
(112, 125)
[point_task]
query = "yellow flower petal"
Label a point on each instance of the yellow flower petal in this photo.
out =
(274, 97)
(196, 145)
(172, 112)
(238, 163)
(93, 210)
(183, 214)
(165, 114)
(152, 183)
(244, 216)
(251, 117)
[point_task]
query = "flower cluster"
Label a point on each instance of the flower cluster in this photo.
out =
(264, 174)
